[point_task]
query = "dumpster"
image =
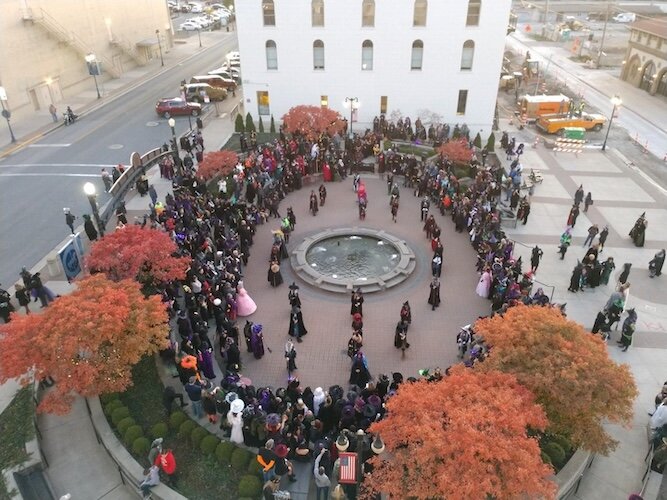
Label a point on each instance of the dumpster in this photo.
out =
(574, 133)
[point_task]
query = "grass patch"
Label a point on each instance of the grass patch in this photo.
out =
(199, 477)
(234, 142)
(15, 430)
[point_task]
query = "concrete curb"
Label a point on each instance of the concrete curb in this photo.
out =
(569, 476)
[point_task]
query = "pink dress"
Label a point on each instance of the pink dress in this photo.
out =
(245, 306)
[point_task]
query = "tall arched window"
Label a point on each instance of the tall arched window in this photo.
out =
(467, 54)
(647, 77)
(317, 12)
(419, 17)
(269, 12)
(474, 9)
(318, 54)
(271, 55)
(368, 13)
(417, 54)
(367, 55)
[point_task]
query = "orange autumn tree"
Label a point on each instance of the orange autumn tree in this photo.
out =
(311, 121)
(87, 341)
(217, 163)
(465, 436)
(567, 368)
(136, 253)
(456, 151)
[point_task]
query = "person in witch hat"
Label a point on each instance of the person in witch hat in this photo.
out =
(296, 327)
(637, 233)
(293, 295)
(628, 329)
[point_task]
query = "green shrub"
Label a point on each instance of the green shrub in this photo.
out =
(545, 458)
(250, 486)
(140, 446)
(124, 425)
(112, 405)
(249, 124)
(209, 444)
(223, 452)
(238, 125)
(272, 126)
(108, 398)
(159, 430)
(133, 432)
(240, 459)
(491, 143)
(260, 127)
(196, 435)
(478, 141)
(185, 429)
(176, 419)
(563, 442)
(254, 468)
(119, 414)
(556, 454)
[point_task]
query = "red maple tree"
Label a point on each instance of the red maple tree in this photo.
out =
(311, 121)
(569, 370)
(465, 436)
(87, 341)
(136, 253)
(456, 151)
(217, 163)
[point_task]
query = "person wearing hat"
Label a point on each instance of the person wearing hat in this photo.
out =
(638, 231)
(69, 219)
(284, 466)
(628, 329)
(274, 275)
(257, 341)
(235, 420)
(89, 228)
(293, 295)
(290, 357)
(296, 327)
(434, 293)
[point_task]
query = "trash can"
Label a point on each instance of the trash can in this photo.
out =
(574, 133)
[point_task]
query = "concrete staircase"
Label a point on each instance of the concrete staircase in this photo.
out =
(49, 24)
(128, 49)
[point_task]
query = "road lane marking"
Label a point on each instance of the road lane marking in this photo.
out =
(49, 145)
(49, 174)
(39, 165)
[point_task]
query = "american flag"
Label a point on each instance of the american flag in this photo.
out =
(348, 468)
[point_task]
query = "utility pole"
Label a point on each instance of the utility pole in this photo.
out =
(604, 33)
(546, 12)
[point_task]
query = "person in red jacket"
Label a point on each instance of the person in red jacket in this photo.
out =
(166, 461)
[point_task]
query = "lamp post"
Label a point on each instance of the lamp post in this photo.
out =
(93, 69)
(199, 35)
(89, 189)
(159, 46)
(352, 101)
(177, 156)
(6, 114)
(616, 101)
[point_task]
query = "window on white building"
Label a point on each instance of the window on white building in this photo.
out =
(419, 18)
(383, 105)
(368, 13)
(417, 55)
(367, 55)
(467, 54)
(463, 100)
(269, 12)
(263, 107)
(474, 9)
(271, 55)
(324, 101)
(317, 12)
(318, 54)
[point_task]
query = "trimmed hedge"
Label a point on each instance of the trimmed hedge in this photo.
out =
(223, 452)
(176, 419)
(186, 428)
(159, 430)
(124, 425)
(209, 444)
(250, 486)
(108, 398)
(119, 414)
(563, 442)
(141, 445)
(556, 453)
(197, 435)
(545, 458)
(133, 432)
(240, 459)
(255, 468)
(112, 405)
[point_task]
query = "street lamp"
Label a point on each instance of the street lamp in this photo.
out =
(159, 45)
(177, 156)
(89, 189)
(352, 101)
(93, 69)
(6, 114)
(199, 35)
(616, 101)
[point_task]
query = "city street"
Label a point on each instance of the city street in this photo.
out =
(39, 180)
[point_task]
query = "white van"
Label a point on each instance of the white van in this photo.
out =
(625, 17)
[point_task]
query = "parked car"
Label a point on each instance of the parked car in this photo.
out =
(558, 123)
(625, 17)
(227, 73)
(215, 81)
(189, 26)
(197, 92)
(195, 8)
(173, 106)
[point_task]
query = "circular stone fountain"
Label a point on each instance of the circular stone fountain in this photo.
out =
(339, 260)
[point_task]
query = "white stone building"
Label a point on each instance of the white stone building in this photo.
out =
(419, 58)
